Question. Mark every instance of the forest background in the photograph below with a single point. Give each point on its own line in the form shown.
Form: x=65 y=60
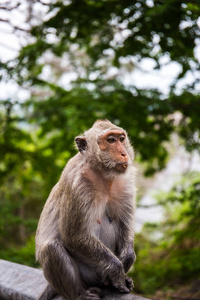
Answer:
x=81 y=60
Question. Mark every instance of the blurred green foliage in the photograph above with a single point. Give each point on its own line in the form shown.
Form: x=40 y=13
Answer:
x=169 y=252
x=36 y=135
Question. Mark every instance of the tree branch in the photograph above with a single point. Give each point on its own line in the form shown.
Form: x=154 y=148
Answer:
x=13 y=26
x=6 y=7
x=44 y=3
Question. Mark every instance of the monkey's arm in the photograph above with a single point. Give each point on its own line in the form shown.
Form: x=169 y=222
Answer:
x=126 y=253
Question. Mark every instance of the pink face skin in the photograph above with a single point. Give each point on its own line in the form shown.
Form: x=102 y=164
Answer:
x=114 y=143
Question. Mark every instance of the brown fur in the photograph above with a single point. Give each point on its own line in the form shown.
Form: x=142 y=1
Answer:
x=85 y=233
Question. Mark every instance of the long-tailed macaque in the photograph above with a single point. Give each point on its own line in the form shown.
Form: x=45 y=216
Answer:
x=84 y=239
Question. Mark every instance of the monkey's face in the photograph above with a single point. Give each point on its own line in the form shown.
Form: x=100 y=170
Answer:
x=113 y=152
x=106 y=147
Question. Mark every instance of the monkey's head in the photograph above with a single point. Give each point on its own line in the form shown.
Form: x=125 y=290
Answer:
x=106 y=146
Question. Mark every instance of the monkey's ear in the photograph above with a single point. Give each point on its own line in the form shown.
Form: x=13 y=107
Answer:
x=81 y=143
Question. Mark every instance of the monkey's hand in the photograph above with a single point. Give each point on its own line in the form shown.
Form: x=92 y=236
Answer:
x=121 y=287
x=129 y=283
x=115 y=278
x=127 y=257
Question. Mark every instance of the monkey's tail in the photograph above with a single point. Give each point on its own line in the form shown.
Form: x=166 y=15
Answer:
x=47 y=294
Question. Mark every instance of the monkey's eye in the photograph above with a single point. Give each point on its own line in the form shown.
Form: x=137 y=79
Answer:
x=121 y=138
x=110 y=140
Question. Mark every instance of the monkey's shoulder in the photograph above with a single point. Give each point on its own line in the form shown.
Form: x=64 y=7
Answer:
x=78 y=172
x=72 y=171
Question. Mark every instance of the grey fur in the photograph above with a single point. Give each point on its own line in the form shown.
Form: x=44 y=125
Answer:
x=85 y=233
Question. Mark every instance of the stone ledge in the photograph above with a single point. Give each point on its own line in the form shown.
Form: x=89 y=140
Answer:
x=19 y=282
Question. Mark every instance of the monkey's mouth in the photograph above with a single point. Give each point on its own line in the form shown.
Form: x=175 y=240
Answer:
x=122 y=166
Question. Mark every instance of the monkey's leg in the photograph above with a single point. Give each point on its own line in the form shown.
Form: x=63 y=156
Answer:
x=62 y=273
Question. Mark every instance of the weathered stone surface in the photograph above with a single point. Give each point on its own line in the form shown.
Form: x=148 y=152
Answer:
x=19 y=282
x=113 y=296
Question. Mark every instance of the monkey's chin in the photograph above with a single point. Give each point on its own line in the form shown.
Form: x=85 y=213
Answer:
x=122 y=167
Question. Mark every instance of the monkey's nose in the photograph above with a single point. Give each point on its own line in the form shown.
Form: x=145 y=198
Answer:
x=123 y=154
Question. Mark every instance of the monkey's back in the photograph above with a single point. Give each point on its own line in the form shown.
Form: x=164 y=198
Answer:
x=48 y=224
x=48 y=228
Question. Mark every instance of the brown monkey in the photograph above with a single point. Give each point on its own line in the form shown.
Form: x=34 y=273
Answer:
x=84 y=239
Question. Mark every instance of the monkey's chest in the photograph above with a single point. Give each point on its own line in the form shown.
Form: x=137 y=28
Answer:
x=106 y=231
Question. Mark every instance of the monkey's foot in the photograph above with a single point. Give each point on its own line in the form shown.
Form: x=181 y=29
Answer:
x=91 y=293
x=129 y=283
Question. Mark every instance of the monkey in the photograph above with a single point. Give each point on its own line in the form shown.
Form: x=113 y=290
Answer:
x=85 y=235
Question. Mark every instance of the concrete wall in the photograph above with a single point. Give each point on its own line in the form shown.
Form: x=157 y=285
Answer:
x=19 y=282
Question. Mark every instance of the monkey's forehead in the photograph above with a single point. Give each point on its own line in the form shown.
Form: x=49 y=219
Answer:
x=114 y=132
x=100 y=132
